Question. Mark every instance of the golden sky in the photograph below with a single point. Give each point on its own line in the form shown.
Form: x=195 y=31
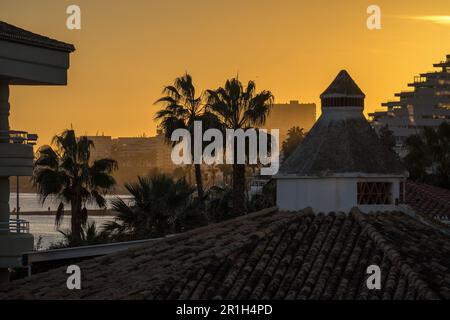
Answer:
x=128 y=50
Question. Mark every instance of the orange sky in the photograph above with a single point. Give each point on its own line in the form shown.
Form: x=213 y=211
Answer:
x=128 y=50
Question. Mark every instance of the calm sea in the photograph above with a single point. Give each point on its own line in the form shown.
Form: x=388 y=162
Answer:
x=43 y=226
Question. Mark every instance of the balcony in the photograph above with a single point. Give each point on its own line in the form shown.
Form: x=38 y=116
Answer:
x=16 y=153
x=15 y=226
x=18 y=137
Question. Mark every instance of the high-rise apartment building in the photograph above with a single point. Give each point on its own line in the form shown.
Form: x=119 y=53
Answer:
x=428 y=105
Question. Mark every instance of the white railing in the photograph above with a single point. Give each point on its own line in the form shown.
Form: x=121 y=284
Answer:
x=19 y=137
x=15 y=226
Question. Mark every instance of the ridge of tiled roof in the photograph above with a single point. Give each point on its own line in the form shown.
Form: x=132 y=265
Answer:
x=267 y=255
x=431 y=201
x=15 y=34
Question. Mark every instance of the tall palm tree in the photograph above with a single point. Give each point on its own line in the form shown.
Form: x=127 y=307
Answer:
x=158 y=204
x=237 y=107
x=181 y=108
x=68 y=174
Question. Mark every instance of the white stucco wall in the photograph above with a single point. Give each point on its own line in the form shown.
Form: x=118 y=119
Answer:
x=328 y=194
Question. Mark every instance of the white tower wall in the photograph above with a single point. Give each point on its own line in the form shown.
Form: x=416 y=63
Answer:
x=330 y=194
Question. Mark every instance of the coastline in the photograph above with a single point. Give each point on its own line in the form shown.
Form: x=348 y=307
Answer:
x=95 y=212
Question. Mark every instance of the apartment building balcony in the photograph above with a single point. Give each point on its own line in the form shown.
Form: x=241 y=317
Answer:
x=393 y=103
x=443 y=64
x=404 y=94
x=16 y=159
x=16 y=153
x=421 y=82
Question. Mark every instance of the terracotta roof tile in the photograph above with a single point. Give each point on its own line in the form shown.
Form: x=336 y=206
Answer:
x=429 y=200
x=268 y=255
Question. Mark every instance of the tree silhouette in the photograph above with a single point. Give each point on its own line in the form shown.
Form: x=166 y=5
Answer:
x=295 y=136
x=68 y=174
x=239 y=107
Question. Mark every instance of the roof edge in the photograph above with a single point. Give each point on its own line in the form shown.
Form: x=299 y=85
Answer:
x=26 y=37
x=341 y=175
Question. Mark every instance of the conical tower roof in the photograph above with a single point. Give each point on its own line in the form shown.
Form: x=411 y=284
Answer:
x=342 y=141
x=343 y=85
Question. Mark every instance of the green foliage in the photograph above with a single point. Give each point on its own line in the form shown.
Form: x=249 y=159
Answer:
x=90 y=235
x=239 y=107
x=220 y=204
x=428 y=158
x=387 y=137
x=160 y=206
x=266 y=199
x=295 y=136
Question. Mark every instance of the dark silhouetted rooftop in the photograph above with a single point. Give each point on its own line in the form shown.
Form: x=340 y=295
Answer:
x=12 y=33
x=268 y=255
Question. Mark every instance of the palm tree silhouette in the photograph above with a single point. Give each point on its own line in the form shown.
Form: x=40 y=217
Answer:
x=181 y=109
x=68 y=174
x=159 y=202
x=237 y=107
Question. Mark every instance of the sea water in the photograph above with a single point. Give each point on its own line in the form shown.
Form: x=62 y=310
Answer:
x=43 y=226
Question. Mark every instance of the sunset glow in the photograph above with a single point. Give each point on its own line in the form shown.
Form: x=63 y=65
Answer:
x=127 y=51
x=435 y=19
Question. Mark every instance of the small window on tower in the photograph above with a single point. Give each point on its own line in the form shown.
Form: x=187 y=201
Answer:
x=374 y=193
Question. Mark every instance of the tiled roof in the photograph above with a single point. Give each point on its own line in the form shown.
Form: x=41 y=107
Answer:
x=268 y=255
x=12 y=33
x=348 y=145
x=343 y=84
x=429 y=200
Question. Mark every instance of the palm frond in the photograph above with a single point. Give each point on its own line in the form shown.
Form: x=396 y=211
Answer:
x=46 y=156
x=59 y=215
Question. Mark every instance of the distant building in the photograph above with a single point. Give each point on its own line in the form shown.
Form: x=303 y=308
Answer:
x=163 y=153
x=341 y=163
x=284 y=116
x=102 y=147
x=428 y=105
x=134 y=155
